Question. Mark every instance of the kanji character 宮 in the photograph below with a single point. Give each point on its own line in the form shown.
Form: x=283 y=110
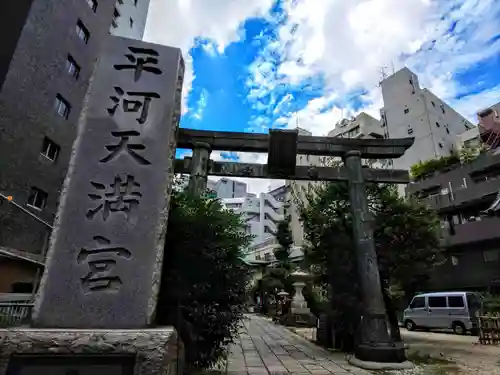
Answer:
x=101 y=261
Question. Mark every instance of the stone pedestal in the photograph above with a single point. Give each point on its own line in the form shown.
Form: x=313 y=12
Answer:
x=93 y=352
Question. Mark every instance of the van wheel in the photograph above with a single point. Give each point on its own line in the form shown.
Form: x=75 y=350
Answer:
x=458 y=328
x=409 y=325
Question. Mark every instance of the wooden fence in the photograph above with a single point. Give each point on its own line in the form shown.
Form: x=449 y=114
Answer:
x=489 y=329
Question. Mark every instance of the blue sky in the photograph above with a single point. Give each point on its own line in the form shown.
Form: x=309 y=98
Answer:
x=256 y=65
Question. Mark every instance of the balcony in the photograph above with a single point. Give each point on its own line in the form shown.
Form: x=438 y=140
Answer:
x=464 y=196
x=474 y=231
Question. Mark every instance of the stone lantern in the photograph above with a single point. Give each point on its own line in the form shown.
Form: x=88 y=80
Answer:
x=299 y=304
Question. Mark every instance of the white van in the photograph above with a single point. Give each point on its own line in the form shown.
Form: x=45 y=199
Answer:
x=455 y=310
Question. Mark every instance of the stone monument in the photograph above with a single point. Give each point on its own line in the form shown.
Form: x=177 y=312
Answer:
x=97 y=301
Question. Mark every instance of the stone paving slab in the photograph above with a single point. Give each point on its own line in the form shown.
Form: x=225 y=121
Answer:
x=265 y=348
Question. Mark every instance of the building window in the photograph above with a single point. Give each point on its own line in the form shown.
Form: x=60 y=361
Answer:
x=491 y=255
x=120 y=1
x=454 y=260
x=258 y=257
x=114 y=21
x=407 y=110
x=267 y=256
x=50 y=149
x=433 y=104
x=62 y=106
x=437 y=124
x=92 y=5
x=82 y=31
x=72 y=67
x=410 y=130
x=135 y=2
x=442 y=109
x=440 y=145
x=446 y=128
x=131 y=22
x=37 y=198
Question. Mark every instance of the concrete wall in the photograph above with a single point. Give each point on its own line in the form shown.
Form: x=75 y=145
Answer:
x=37 y=73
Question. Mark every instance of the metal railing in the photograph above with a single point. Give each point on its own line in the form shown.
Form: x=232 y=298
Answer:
x=14 y=314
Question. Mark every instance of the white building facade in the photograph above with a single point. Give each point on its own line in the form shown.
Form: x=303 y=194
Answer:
x=129 y=18
x=412 y=111
x=261 y=214
x=227 y=188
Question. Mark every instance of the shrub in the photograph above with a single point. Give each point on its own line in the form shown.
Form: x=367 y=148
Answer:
x=204 y=280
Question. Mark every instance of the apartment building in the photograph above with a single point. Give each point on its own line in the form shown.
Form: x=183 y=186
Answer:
x=361 y=126
x=227 y=188
x=49 y=52
x=261 y=214
x=412 y=111
x=129 y=18
x=471 y=238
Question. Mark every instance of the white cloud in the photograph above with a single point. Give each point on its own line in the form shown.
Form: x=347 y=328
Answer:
x=348 y=43
x=201 y=104
x=178 y=23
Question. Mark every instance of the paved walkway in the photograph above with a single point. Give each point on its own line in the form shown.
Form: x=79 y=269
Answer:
x=265 y=348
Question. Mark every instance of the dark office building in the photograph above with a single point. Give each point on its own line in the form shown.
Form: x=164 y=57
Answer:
x=49 y=48
x=471 y=238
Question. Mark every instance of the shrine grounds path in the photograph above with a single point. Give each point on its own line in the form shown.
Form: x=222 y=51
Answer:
x=265 y=348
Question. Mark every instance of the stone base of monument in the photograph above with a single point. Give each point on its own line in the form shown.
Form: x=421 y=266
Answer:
x=383 y=357
x=91 y=352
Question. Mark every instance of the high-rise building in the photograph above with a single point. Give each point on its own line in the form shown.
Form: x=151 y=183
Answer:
x=49 y=49
x=129 y=18
x=412 y=111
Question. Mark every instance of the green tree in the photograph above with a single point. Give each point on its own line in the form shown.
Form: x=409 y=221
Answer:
x=204 y=280
x=406 y=240
x=277 y=276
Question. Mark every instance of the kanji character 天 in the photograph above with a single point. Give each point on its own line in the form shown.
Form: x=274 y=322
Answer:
x=124 y=147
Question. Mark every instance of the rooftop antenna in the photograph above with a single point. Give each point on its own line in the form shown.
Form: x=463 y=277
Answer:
x=297 y=122
x=383 y=74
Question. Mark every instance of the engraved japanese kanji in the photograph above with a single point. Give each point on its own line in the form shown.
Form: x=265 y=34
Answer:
x=134 y=102
x=122 y=195
x=101 y=261
x=123 y=146
x=142 y=59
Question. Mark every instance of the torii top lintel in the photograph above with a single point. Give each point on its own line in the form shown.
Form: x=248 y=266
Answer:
x=306 y=145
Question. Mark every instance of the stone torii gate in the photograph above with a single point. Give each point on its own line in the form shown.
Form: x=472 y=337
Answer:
x=282 y=147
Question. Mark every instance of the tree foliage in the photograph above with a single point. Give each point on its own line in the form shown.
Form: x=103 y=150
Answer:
x=204 y=280
x=405 y=235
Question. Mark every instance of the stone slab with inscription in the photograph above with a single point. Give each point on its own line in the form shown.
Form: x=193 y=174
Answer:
x=90 y=352
x=106 y=251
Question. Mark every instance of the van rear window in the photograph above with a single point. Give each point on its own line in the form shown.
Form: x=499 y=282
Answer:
x=456 y=301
